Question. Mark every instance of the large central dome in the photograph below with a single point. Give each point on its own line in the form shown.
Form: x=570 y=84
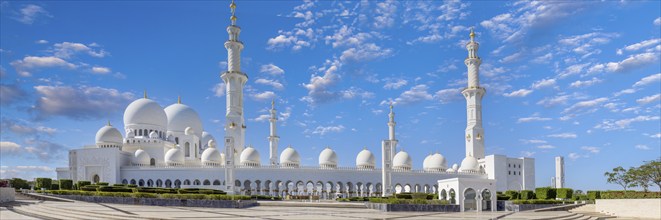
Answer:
x=145 y=112
x=180 y=116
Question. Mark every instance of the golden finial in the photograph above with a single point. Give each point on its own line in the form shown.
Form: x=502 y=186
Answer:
x=144 y=93
x=273 y=104
x=233 y=9
x=472 y=34
x=109 y=123
x=179 y=99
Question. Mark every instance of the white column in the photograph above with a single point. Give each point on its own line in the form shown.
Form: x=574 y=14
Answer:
x=229 y=166
x=273 y=138
x=473 y=94
x=386 y=164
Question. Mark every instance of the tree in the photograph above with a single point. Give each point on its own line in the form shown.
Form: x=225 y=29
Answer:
x=619 y=176
x=652 y=170
x=640 y=177
x=19 y=183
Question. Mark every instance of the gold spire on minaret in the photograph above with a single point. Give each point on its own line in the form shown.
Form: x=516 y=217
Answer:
x=144 y=93
x=179 y=99
x=273 y=104
x=472 y=34
x=390 y=107
x=109 y=122
x=233 y=8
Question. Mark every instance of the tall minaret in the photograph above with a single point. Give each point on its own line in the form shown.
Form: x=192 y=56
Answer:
x=273 y=138
x=234 y=81
x=391 y=132
x=473 y=94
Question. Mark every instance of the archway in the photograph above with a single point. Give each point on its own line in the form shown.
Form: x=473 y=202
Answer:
x=453 y=198
x=150 y=183
x=470 y=202
x=216 y=182
x=141 y=182
x=159 y=183
x=399 y=189
x=444 y=195
x=96 y=178
x=486 y=200
x=206 y=182
x=152 y=162
x=168 y=184
x=177 y=184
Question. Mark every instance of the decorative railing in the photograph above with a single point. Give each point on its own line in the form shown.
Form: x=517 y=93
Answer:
x=296 y=168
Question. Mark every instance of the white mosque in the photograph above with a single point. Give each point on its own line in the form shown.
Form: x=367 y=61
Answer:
x=167 y=147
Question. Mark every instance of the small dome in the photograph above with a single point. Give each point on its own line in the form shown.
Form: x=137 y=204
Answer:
x=469 y=164
x=290 y=158
x=402 y=161
x=141 y=158
x=425 y=162
x=250 y=157
x=153 y=135
x=365 y=160
x=181 y=116
x=455 y=167
x=205 y=138
x=108 y=135
x=328 y=158
x=145 y=112
x=129 y=133
x=174 y=157
x=211 y=156
x=435 y=162
x=211 y=143
x=222 y=157
x=189 y=131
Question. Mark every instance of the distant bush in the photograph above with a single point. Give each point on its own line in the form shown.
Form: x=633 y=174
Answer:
x=404 y=196
x=419 y=195
x=527 y=194
x=66 y=184
x=144 y=195
x=629 y=195
x=512 y=194
x=119 y=185
x=114 y=189
x=564 y=193
x=545 y=193
x=390 y=200
x=43 y=183
x=183 y=196
x=89 y=188
x=132 y=185
x=226 y=197
x=102 y=183
x=200 y=191
x=262 y=197
x=502 y=197
x=54 y=186
x=537 y=201
x=592 y=195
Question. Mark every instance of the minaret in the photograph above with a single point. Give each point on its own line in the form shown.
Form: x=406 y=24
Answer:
x=559 y=180
x=391 y=132
x=273 y=138
x=388 y=150
x=473 y=94
x=234 y=81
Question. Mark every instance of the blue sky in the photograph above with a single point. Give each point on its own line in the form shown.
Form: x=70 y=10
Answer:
x=575 y=79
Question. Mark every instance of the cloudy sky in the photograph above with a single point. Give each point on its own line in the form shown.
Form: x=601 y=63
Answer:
x=575 y=79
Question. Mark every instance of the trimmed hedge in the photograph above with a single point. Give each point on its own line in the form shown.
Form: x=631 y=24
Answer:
x=43 y=183
x=629 y=195
x=89 y=188
x=404 y=196
x=261 y=197
x=564 y=193
x=512 y=194
x=537 y=201
x=152 y=195
x=527 y=194
x=82 y=183
x=387 y=200
x=54 y=186
x=200 y=191
x=502 y=197
x=114 y=189
x=66 y=184
x=545 y=193
x=102 y=184
x=592 y=195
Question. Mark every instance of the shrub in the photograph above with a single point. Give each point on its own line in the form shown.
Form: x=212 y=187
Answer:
x=82 y=183
x=387 y=200
x=419 y=196
x=89 y=188
x=404 y=196
x=342 y=200
x=226 y=197
x=54 y=186
x=102 y=183
x=66 y=184
x=19 y=183
x=131 y=185
x=592 y=195
x=43 y=183
x=512 y=194
x=114 y=189
x=564 y=193
x=144 y=195
x=115 y=194
x=629 y=195
x=502 y=197
x=183 y=196
x=527 y=194
x=545 y=193
x=119 y=185
x=537 y=201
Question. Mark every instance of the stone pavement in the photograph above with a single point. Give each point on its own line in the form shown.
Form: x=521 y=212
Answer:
x=31 y=209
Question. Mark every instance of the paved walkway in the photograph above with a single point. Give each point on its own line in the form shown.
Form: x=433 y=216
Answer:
x=33 y=209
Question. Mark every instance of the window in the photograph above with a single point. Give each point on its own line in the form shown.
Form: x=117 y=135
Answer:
x=519 y=165
x=519 y=173
x=187 y=150
x=176 y=140
x=509 y=172
x=152 y=162
x=509 y=165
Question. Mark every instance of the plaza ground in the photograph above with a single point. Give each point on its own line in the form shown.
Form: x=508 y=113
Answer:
x=26 y=208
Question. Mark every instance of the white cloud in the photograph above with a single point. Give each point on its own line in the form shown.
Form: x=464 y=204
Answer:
x=10 y=94
x=79 y=103
x=632 y=62
x=610 y=125
x=643 y=44
x=533 y=141
x=30 y=13
x=365 y=52
x=261 y=118
x=26 y=172
x=100 y=70
x=267 y=95
x=574 y=156
x=649 y=99
x=68 y=49
x=648 y=80
x=9 y=148
x=563 y=135
x=271 y=69
x=219 y=89
x=414 y=95
x=518 y=93
x=657 y=21
x=585 y=105
x=22 y=129
x=532 y=119
x=29 y=63
x=657 y=135
x=586 y=83
x=329 y=129
x=353 y=92
x=543 y=83
x=527 y=154
x=642 y=147
x=283 y=40
x=546 y=58
x=585 y=43
x=546 y=146
x=385 y=14
x=448 y=95
x=624 y=91
x=319 y=86
x=41 y=42
x=573 y=70
x=395 y=84
x=553 y=101
x=274 y=83
x=593 y=150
